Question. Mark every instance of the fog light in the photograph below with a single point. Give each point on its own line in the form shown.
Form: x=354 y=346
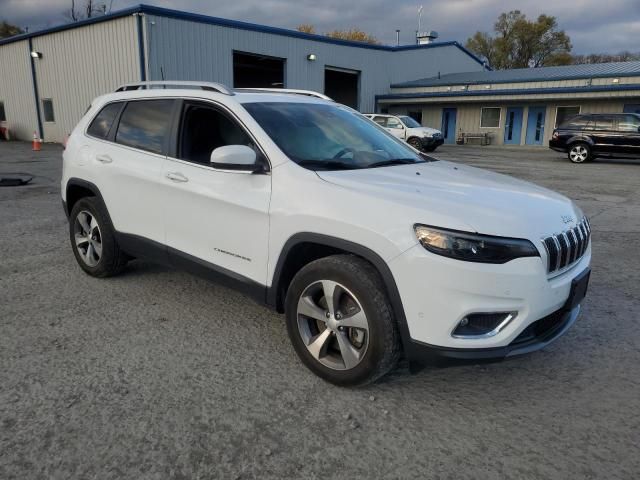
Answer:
x=482 y=325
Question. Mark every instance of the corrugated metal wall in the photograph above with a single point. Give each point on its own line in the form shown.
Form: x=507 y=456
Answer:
x=468 y=115
x=188 y=50
x=16 y=89
x=80 y=64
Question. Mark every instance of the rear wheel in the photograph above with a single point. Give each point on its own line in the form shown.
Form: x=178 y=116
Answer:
x=340 y=322
x=579 y=153
x=93 y=239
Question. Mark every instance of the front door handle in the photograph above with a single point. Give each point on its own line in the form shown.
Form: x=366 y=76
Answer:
x=104 y=158
x=177 y=177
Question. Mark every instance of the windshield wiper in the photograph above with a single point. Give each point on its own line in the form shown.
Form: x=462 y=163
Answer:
x=395 y=161
x=326 y=165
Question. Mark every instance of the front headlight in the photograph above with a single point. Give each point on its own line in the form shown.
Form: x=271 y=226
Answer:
x=473 y=247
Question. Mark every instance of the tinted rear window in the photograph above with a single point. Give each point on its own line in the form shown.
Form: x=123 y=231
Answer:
x=104 y=120
x=144 y=124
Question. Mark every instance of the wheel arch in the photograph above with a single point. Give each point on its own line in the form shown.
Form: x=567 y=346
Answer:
x=76 y=189
x=579 y=139
x=302 y=248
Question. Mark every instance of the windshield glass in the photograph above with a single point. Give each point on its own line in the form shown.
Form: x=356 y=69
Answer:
x=329 y=137
x=409 y=122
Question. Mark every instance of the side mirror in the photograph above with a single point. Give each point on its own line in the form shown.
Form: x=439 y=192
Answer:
x=235 y=157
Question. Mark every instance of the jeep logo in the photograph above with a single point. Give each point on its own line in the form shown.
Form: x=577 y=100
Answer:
x=567 y=218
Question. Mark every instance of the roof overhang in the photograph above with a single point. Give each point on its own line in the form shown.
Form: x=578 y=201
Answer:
x=595 y=92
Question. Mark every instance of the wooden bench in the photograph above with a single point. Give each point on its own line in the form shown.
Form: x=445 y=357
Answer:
x=485 y=138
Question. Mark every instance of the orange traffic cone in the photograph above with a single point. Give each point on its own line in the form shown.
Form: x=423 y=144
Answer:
x=37 y=142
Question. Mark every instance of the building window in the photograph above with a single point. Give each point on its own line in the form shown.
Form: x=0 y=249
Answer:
x=417 y=116
x=490 y=117
x=47 y=110
x=565 y=113
x=3 y=115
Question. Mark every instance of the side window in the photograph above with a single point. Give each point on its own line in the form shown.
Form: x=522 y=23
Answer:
x=603 y=122
x=629 y=123
x=393 y=123
x=204 y=129
x=144 y=124
x=382 y=121
x=101 y=124
x=580 y=122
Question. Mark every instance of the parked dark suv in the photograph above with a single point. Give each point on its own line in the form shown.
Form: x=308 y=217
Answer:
x=584 y=137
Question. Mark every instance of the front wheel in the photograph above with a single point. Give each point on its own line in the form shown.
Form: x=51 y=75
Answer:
x=579 y=152
x=340 y=321
x=415 y=143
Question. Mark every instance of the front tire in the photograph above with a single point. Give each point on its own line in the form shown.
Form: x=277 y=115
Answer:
x=93 y=239
x=415 y=143
x=579 y=152
x=340 y=321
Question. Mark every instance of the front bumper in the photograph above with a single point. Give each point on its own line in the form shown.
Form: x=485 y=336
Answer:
x=431 y=141
x=437 y=292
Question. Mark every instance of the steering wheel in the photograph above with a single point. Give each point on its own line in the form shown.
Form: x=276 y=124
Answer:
x=343 y=152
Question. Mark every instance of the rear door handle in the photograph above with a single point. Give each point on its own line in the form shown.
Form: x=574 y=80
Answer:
x=177 y=177
x=104 y=158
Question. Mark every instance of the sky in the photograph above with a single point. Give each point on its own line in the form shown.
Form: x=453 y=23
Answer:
x=594 y=26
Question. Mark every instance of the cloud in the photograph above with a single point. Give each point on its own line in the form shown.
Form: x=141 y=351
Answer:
x=609 y=26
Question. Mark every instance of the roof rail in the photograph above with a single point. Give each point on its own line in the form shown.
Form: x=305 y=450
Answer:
x=210 y=86
x=292 y=91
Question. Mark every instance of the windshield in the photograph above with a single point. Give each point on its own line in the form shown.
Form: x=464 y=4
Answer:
x=409 y=122
x=330 y=137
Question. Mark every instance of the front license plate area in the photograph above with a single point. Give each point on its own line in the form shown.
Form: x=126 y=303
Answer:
x=579 y=286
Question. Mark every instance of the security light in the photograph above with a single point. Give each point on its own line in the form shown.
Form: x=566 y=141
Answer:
x=35 y=54
x=311 y=57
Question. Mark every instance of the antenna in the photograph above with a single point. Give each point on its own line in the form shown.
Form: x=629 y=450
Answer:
x=398 y=38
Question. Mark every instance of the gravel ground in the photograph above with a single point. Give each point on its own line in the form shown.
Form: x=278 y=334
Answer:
x=156 y=374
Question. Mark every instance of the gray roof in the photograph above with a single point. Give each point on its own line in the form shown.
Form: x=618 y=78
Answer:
x=568 y=72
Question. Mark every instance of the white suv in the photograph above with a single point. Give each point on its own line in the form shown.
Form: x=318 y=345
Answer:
x=406 y=128
x=371 y=249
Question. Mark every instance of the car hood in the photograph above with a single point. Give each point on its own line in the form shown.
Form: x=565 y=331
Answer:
x=489 y=203
x=424 y=131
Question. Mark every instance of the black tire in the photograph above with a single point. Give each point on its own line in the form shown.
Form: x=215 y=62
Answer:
x=416 y=143
x=111 y=260
x=383 y=341
x=579 y=152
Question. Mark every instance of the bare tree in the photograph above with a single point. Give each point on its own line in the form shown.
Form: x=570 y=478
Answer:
x=91 y=8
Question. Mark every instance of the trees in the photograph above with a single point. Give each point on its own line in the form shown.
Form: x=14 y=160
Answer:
x=91 y=8
x=353 y=34
x=605 y=57
x=520 y=43
x=9 y=30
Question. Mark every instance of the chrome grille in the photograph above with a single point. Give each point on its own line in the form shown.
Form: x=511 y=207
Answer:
x=566 y=248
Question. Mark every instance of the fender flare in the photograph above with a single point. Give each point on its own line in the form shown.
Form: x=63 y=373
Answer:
x=78 y=182
x=580 y=139
x=356 y=249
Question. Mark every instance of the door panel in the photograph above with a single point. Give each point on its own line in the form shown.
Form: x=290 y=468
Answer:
x=535 y=125
x=395 y=127
x=513 y=126
x=218 y=216
x=449 y=125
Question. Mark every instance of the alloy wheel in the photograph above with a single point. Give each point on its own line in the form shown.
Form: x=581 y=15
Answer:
x=578 y=153
x=88 y=239
x=333 y=325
